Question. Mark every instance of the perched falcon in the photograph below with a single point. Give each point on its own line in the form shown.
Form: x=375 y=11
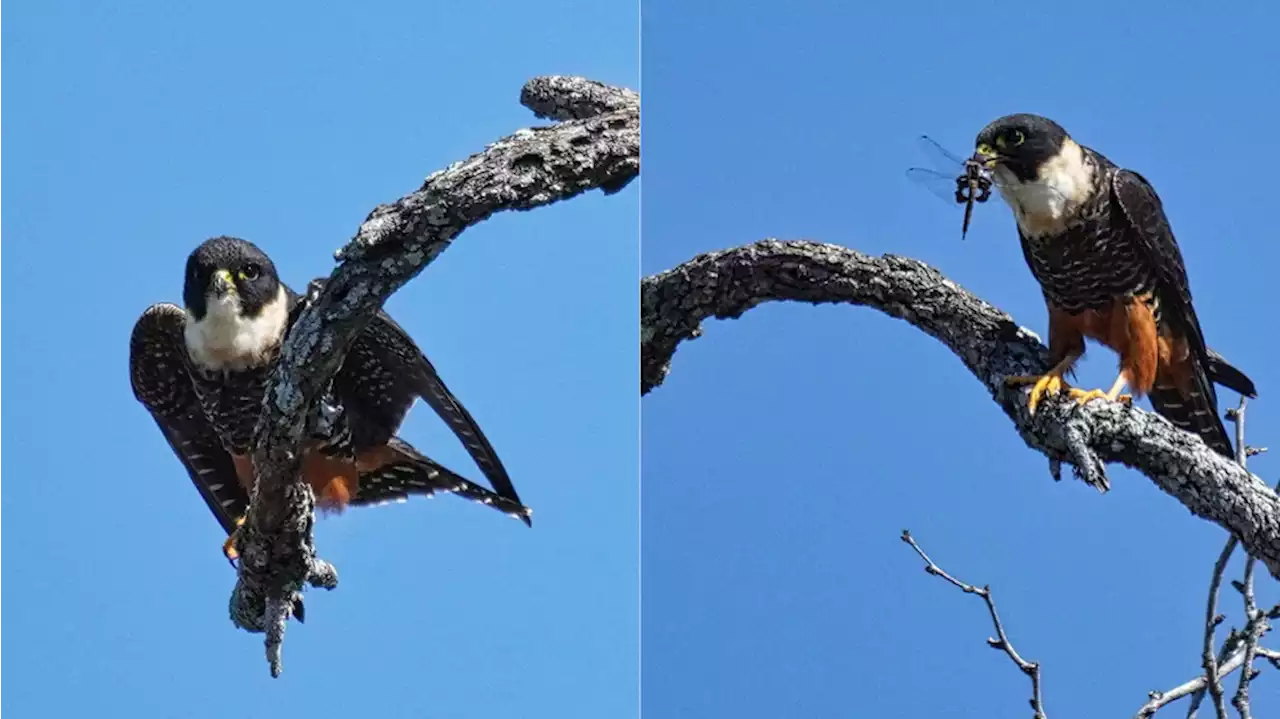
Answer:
x=202 y=371
x=1097 y=240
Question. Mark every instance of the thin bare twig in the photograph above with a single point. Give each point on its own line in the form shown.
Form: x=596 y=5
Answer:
x=1230 y=658
x=1240 y=648
x=1241 y=700
x=1209 y=661
x=1159 y=700
x=1271 y=656
x=1001 y=642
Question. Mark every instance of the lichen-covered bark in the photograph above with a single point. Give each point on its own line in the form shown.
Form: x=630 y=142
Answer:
x=597 y=146
x=726 y=284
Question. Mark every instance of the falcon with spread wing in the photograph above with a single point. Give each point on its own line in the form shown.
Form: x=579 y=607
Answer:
x=201 y=371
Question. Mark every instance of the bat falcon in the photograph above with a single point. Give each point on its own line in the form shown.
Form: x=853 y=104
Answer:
x=1097 y=240
x=201 y=371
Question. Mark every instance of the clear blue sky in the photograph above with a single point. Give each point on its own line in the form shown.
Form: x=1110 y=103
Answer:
x=788 y=449
x=136 y=130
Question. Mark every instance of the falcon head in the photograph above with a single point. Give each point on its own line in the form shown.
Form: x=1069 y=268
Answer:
x=237 y=308
x=1041 y=172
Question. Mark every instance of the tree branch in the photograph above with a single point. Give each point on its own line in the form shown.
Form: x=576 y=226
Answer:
x=1208 y=660
x=1159 y=700
x=597 y=146
x=1241 y=700
x=1251 y=614
x=727 y=283
x=1001 y=642
x=1230 y=658
x=1213 y=681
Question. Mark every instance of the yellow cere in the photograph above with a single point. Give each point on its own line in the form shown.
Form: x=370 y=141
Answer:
x=985 y=151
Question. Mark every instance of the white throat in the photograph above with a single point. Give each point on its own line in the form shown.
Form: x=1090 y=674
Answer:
x=226 y=340
x=1044 y=205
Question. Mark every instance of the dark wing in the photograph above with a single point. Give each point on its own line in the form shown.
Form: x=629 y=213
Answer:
x=1150 y=231
x=1026 y=256
x=384 y=373
x=415 y=473
x=162 y=383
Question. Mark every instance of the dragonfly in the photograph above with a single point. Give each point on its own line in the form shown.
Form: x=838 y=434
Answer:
x=963 y=182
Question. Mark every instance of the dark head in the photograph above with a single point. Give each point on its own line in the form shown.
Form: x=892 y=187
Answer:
x=228 y=266
x=237 y=309
x=1022 y=143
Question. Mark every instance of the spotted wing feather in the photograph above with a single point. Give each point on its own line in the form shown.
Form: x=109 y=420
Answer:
x=382 y=376
x=417 y=474
x=162 y=383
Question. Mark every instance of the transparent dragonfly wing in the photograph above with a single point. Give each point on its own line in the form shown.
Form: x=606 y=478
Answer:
x=953 y=180
x=939 y=185
x=940 y=179
x=941 y=159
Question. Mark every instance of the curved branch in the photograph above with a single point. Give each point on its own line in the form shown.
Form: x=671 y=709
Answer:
x=598 y=149
x=992 y=346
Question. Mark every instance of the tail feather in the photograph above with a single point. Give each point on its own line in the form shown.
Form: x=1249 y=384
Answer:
x=418 y=474
x=1194 y=409
x=1221 y=371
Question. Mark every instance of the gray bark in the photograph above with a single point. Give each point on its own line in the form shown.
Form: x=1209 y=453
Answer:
x=596 y=146
x=991 y=345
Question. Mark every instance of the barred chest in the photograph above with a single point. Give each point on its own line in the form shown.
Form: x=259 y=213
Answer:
x=232 y=402
x=1091 y=261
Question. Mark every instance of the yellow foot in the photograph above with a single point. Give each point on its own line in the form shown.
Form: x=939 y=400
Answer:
x=229 y=547
x=1082 y=396
x=1049 y=384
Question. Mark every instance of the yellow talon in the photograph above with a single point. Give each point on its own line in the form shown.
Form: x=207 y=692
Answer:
x=1049 y=384
x=229 y=547
x=1082 y=396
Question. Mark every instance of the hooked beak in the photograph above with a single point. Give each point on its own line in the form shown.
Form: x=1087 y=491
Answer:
x=222 y=284
x=985 y=156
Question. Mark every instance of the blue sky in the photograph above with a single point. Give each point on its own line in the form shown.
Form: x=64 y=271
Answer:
x=135 y=131
x=788 y=449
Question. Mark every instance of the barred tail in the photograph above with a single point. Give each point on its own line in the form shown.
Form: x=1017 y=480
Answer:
x=415 y=473
x=1194 y=410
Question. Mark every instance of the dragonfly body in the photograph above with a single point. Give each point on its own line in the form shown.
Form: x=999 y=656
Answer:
x=964 y=180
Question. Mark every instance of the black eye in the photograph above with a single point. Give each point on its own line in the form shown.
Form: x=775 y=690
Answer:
x=250 y=272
